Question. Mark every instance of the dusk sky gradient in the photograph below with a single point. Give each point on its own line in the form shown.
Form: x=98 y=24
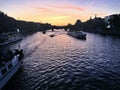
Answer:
x=59 y=12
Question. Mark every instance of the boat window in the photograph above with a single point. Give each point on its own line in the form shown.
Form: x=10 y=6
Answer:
x=3 y=71
x=10 y=66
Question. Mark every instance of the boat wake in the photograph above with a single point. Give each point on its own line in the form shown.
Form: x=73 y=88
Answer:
x=31 y=48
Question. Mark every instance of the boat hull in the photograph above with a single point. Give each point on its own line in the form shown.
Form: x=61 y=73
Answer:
x=16 y=65
x=12 y=41
x=8 y=76
x=77 y=35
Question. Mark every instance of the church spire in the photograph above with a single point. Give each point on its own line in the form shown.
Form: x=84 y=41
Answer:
x=95 y=15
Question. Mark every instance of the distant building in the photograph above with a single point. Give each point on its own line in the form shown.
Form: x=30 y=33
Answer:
x=111 y=20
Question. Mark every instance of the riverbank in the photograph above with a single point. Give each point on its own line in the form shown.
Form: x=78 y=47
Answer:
x=104 y=32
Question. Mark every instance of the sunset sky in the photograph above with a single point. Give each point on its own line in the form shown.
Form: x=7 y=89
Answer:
x=58 y=12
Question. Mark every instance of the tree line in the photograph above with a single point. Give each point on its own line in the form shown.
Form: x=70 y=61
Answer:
x=9 y=24
x=107 y=25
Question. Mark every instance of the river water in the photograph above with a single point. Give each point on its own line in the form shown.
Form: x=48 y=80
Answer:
x=67 y=63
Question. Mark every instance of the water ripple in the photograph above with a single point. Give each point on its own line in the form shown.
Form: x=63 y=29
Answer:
x=66 y=63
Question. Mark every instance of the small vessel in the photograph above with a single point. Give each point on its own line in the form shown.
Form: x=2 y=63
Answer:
x=9 y=65
x=44 y=31
x=52 y=35
x=77 y=34
x=9 y=37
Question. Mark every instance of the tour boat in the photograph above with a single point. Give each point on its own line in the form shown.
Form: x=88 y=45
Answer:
x=10 y=67
x=10 y=37
x=77 y=34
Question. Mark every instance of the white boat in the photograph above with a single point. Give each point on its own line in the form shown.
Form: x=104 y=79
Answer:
x=10 y=41
x=77 y=34
x=9 y=68
x=10 y=37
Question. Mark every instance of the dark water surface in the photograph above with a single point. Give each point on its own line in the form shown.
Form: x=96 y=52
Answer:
x=66 y=63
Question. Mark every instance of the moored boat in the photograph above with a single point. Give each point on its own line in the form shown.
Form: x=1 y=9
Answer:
x=10 y=37
x=9 y=66
x=77 y=34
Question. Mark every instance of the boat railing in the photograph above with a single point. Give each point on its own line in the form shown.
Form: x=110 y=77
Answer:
x=8 y=66
x=5 y=69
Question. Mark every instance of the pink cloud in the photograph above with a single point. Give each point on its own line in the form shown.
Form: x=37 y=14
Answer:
x=73 y=7
x=42 y=8
x=54 y=8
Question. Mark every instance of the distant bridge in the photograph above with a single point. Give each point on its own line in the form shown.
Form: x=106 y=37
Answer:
x=60 y=27
x=53 y=28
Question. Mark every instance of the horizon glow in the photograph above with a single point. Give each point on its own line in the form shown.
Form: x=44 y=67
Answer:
x=60 y=12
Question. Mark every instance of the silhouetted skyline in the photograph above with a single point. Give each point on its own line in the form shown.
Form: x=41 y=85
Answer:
x=59 y=12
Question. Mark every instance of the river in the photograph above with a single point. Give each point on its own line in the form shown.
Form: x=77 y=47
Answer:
x=66 y=63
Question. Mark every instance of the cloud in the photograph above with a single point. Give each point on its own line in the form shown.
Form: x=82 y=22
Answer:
x=56 y=8
x=70 y=7
x=60 y=17
x=42 y=8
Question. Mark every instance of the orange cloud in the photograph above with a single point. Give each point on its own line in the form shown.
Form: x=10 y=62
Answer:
x=59 y=17
x=58 y=14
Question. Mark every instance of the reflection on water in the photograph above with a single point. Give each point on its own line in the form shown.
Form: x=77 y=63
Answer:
x=66 y=63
